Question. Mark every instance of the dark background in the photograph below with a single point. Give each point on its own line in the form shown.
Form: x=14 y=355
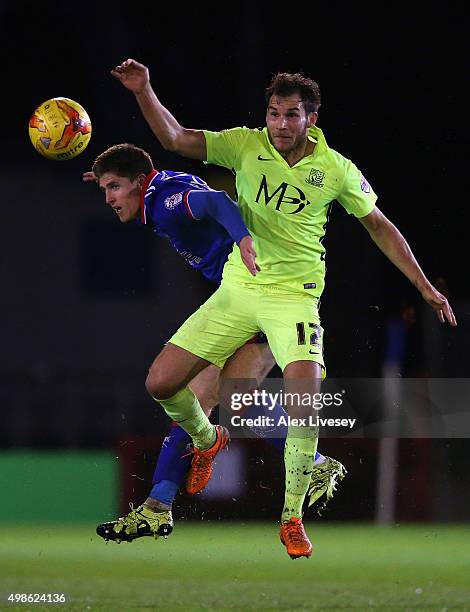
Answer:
x=87 y=303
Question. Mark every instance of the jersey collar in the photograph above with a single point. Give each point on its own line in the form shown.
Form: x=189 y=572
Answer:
x=148 y=179
x=314 y=133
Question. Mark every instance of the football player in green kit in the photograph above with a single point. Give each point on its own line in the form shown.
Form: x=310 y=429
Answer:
x=286 y=179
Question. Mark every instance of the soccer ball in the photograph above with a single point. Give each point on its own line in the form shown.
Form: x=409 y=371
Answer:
x=60 y=129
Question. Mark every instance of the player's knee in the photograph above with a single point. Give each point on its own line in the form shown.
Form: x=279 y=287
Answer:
x=159 y=385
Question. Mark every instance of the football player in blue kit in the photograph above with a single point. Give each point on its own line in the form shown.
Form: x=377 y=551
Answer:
x=202 y=225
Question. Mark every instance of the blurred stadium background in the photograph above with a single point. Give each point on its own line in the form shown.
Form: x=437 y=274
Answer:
x=86 y=304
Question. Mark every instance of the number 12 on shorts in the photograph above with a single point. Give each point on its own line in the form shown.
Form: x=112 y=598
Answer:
x=312 y=330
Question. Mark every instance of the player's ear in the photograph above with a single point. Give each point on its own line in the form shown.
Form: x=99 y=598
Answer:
x=312 y=118
x=141 y=180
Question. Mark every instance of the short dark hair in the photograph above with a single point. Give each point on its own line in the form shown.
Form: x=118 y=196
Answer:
x=124 y=160
x=285 y=84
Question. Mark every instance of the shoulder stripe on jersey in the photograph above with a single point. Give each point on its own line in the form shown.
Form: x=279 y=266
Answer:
x=191 y=215
x=148 y=179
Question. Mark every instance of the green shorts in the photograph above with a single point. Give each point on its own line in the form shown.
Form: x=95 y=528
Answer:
x=235 y=313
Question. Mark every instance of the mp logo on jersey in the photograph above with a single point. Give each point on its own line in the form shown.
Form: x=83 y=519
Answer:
x=173 y=200
x=284 y=195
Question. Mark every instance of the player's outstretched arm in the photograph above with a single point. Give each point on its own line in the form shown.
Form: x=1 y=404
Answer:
x=172 y=136
x=391 y=242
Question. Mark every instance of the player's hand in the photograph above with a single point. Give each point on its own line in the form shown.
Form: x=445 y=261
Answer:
x=88 y=177
x=439 y=303
x=132 y=75
x=248 y=253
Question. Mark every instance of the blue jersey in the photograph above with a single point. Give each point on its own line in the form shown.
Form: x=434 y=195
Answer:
x=166 y=207
x=201 y=228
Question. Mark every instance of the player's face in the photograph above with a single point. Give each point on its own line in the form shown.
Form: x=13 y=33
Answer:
x=287 y=123
x=122 y=194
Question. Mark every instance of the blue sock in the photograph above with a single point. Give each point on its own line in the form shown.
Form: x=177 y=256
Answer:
x=172 y=467
x=274 y=412
x=164 y=491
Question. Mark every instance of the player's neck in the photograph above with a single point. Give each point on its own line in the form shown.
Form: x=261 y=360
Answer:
x=303 y=150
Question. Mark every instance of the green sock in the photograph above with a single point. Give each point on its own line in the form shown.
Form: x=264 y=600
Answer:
x=299 y=457
x=184 y=408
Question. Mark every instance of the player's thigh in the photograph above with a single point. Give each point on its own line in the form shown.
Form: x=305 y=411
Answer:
x=291 y=323
x=253 y=360
x=245 y=371
x=172 y=370
x=205 y=387
x=220 y=326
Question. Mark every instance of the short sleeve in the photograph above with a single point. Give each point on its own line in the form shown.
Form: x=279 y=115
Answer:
x=224 y=148
x=356 y=196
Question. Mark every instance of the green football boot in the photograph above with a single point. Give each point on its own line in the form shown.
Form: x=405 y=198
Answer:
x=325 y=477
x=140 y=522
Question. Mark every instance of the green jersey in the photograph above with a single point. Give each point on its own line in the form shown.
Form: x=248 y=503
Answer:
x=286 y=208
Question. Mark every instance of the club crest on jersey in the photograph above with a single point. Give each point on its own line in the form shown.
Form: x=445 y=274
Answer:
x=173 y=200
x=315 y=177
x=365 y=187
